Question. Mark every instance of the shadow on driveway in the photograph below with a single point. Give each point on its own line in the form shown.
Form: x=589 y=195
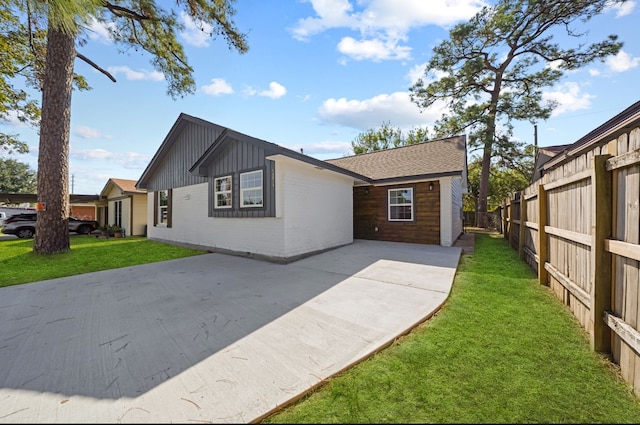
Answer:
x=208 y=338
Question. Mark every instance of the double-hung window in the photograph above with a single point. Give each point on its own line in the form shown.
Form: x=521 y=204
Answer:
x=401 y=204
x=163 y=207
x=251 y=189
x=223 y=193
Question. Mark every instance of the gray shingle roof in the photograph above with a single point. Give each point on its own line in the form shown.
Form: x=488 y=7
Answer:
x=437 y=157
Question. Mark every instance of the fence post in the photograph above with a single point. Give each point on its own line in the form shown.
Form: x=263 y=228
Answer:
x=543 y=245
x=512 y=208
x=600 y=259
x=522 y=228
x=505 y=220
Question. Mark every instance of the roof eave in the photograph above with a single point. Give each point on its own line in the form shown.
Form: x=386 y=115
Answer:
x=417 y=177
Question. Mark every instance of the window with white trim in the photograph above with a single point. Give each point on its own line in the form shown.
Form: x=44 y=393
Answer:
x=163 y=207
x=118 y=213
x=401 y=204
x=251 y=189
x=223 y=192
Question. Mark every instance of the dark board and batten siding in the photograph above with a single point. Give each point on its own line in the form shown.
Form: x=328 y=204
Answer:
x=240 y=157
x=185 y=151
x=370 y=210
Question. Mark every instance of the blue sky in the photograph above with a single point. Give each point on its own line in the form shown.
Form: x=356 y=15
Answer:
x=317 y=74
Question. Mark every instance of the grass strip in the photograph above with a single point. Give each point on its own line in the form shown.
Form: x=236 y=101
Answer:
x=502 y=349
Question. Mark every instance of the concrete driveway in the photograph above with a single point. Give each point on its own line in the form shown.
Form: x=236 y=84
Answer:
x=211 y=338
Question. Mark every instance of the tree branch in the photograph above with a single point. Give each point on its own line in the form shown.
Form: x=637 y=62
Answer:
x=124 y=12
x=93 y=64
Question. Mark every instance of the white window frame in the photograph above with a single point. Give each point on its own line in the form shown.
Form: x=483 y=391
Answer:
x=227 y=191
x=244 y=190
x=163 y=208
x=390 y=205
x=118 y=213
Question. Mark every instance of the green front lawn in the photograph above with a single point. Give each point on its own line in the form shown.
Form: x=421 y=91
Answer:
x=18 y=263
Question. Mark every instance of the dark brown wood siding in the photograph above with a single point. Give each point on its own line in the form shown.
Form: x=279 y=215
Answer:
x=370 y=211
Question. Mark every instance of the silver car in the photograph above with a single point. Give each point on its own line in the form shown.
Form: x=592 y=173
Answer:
x=23 y=225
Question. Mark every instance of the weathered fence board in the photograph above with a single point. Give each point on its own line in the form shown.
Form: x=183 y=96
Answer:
x=579 y=228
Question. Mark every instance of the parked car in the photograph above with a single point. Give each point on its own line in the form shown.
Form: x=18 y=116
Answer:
x=3 y=217
x=23 y=225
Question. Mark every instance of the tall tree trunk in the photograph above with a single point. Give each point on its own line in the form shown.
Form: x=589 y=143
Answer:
x=483 y=192
x=52 y=228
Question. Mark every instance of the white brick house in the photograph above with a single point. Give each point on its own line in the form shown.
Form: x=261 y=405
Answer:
x=211 y=187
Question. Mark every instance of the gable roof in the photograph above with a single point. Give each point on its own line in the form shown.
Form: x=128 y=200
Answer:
x=432 y=159
x=125 y=186
x=271 y=149
x=227 y=136
x=172 y=136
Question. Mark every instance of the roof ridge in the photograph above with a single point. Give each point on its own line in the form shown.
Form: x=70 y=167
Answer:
x=399 y=147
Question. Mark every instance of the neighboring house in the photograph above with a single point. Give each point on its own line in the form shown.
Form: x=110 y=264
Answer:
x=213 y=187
x=124 y=205
x=83 y=210
x=543 y=155
x=80 y=206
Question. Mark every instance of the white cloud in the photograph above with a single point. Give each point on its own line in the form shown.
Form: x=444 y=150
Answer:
x=330 y=14
x=569 y=97
x=217 y=87
x=417 y=72
x=556 y=64
x=382 y=24
x=133 y=160
x=594 y=72
x=328 y=148
x=99 y=31
x=373 y=49
x=395 y=108
x=196 y=34
x=89 y=133
x=130 y=74
x=129 y=160
x=622 y=62
x=385 y=15
x=90 y=154
x=623 y=9
x=12 y=118
x=275 y=91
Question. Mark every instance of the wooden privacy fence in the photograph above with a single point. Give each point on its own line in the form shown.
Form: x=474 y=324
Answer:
x=579 y=228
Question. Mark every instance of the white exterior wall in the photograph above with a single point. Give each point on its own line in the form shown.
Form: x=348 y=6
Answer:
x=317 y=207
x=191 y=224
x=445 y=212
x=457 y=226
x=450 y=210
x=313 y=212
